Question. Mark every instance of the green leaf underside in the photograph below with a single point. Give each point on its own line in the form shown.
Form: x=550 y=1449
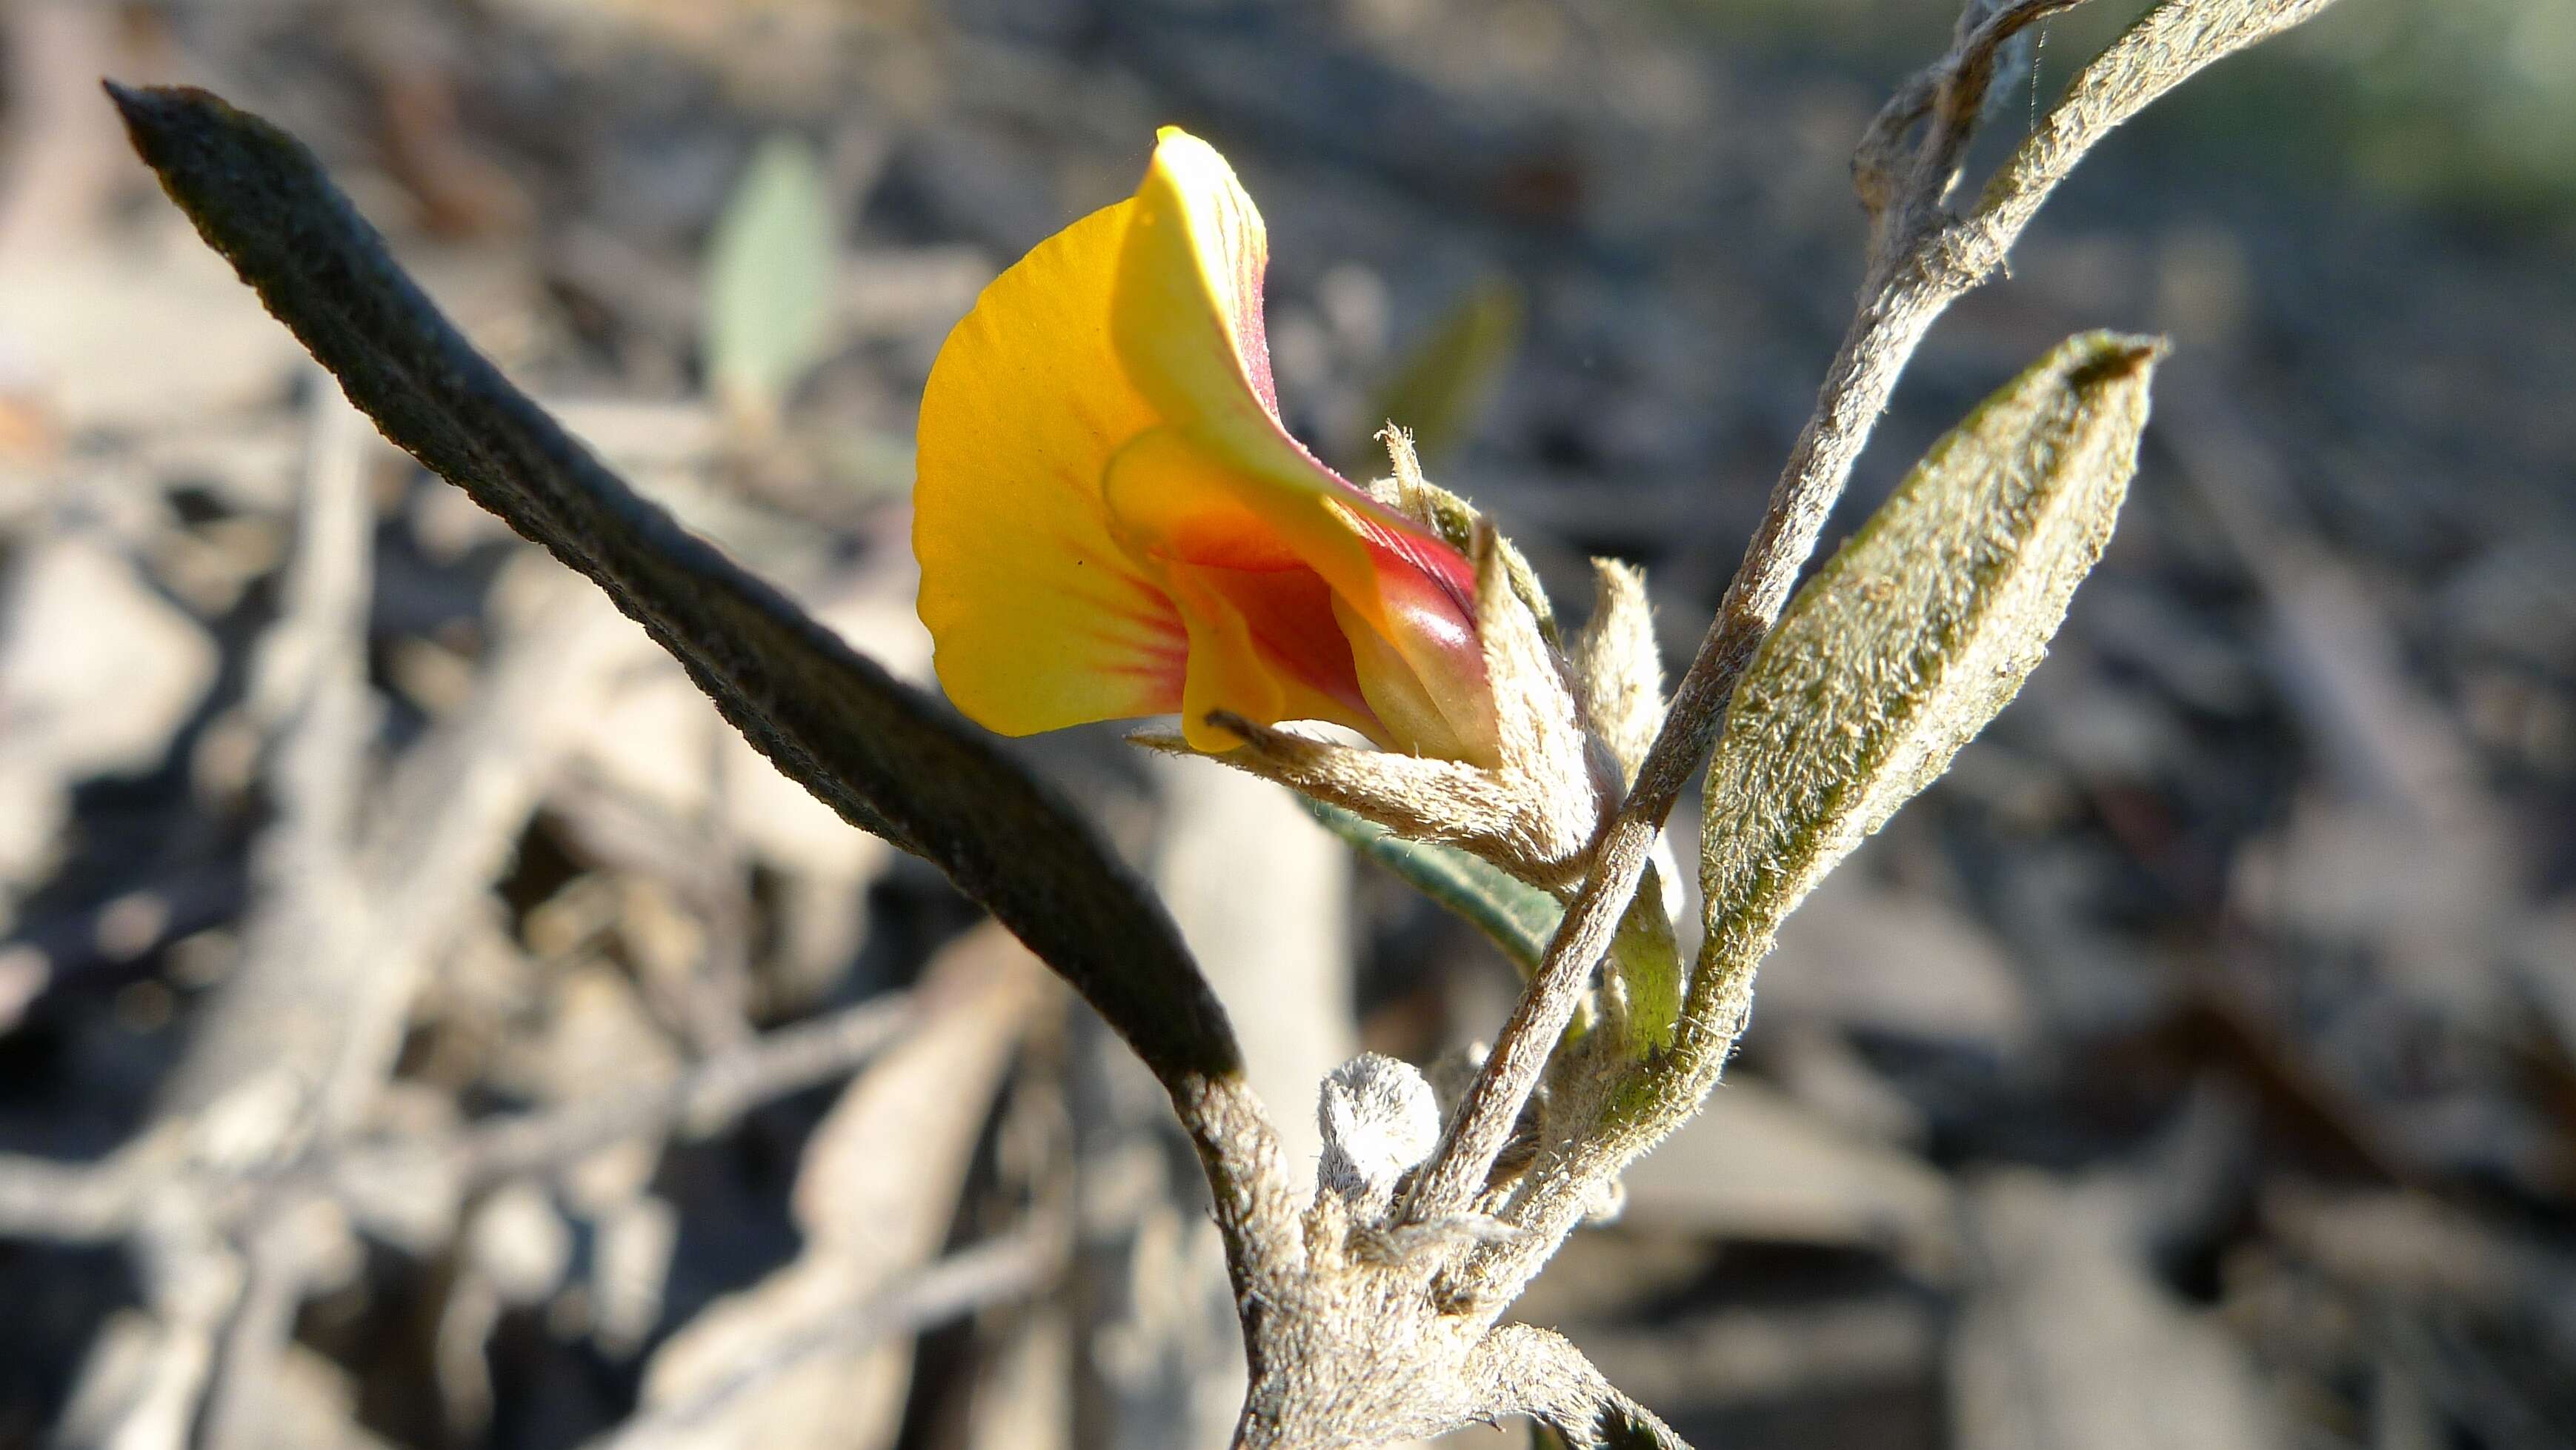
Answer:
x=1912 y=637
x=769 y=277
x=889 y=758
x=1518 y=917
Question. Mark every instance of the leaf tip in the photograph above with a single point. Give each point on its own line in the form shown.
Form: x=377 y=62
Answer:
x=2100 y=358
x=150 y=109
x=134 y=106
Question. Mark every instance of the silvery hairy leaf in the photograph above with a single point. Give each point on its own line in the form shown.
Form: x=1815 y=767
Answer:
x=1910 y=639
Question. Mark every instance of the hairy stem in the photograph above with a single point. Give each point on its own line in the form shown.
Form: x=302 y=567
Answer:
x=1931 y=260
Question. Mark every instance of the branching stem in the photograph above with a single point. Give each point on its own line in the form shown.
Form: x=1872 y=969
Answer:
x=1923 y=259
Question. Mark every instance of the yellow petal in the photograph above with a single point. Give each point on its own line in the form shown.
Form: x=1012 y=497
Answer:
x=1040 y=618
x=1226 y=670
x=1190 y=320
x=1112 y=521
x=1187 y=322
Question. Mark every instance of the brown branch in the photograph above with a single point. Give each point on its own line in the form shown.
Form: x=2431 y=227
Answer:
x=2168 y=45
x=103 y=1201
x=1953 y=94
x=250 y=1339
x=277 y=1020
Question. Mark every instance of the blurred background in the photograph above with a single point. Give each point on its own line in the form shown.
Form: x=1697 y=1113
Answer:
x=422 y=1023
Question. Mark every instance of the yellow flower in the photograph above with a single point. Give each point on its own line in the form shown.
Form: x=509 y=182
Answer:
x=1113 y=522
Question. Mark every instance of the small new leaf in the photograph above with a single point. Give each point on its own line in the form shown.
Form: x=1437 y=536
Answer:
x=1910 y=639
x=769 y=280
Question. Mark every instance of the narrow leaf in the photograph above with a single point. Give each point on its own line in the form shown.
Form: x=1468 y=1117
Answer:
x=769 y=279
x=889 y=758
x=1517 y=916
x=1910 y=639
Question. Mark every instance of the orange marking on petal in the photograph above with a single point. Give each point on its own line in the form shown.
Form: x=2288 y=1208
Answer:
x=1289 y=614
